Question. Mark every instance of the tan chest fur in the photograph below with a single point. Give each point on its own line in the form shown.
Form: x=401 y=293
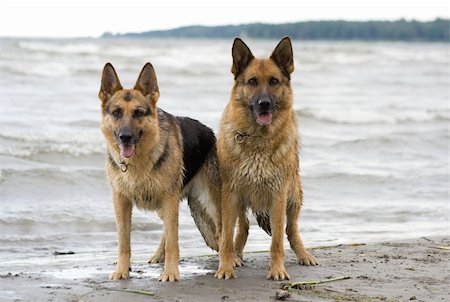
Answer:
x=145 y=186
x=259 y=167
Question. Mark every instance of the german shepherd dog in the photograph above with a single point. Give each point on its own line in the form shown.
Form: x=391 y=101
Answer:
x=257 y=150
x=154 y=160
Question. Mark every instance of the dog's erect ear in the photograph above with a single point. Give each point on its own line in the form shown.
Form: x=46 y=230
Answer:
x=147 y=83
x=242 y=56
x=110 y=83
x=283 y=56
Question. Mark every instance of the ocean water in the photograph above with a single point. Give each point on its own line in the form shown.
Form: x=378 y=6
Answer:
x=373 y=118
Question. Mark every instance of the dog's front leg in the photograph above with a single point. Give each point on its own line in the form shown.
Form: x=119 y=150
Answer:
x=293 y=234
x=277 y=218
x=241 y=237
x=122 y=207
x=169 y=211
x=226 y=250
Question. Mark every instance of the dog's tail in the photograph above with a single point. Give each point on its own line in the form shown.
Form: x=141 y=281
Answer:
x=294 y=204
x=204 y=200
x=263 y=220
x=205 y=223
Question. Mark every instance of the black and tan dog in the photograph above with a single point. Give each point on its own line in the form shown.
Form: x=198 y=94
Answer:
x=258 y=157
x=154 y=160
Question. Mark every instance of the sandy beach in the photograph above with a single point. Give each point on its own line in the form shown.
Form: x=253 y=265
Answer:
x=406 y=270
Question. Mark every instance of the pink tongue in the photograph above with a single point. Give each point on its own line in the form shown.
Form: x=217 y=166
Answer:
x=264 y=118
x=127 y=150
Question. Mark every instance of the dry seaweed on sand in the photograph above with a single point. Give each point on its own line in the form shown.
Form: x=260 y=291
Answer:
x=310 y=248
x=315 y=247
x=138 y=291
x=320 y=247
x=441 y=247
x=308 y=284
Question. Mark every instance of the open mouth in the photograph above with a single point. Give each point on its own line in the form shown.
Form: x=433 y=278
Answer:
x=127 y=150
x=264 y=118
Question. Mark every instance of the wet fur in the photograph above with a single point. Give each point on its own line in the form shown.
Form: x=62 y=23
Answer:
x=260 y=170
x=175 y=157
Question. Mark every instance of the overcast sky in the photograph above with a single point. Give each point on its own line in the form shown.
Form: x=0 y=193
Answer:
x=68 y=18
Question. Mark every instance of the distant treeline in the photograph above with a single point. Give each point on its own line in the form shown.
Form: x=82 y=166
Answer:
x=400 y=30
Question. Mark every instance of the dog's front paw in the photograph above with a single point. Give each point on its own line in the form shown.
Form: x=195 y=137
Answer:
x=277 y=273
x=238 y=260
x=306 y=259
x=119 y=275
x=156 y=258
x=225 y=273
x=170 y=275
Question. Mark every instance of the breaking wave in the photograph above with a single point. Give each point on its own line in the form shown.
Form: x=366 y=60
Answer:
x=359 y=117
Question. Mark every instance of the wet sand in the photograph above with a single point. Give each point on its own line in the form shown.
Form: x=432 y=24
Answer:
x=407 y=270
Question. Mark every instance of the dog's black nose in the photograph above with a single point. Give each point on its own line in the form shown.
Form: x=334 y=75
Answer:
x=264 y=104
x=125 y=137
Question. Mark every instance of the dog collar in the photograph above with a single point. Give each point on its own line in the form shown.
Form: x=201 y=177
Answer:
x=123 y=166
x=240 y=137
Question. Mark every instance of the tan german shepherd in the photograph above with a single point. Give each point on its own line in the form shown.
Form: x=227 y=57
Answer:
x=258 y=156
x=154 y=160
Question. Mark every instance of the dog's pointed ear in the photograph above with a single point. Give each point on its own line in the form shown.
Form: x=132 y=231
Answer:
x=147 y=83
x=242 y=56
x=110 y=83
x=283 y=56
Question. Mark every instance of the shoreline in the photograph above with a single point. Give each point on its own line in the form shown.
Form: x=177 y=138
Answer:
x=400 y=270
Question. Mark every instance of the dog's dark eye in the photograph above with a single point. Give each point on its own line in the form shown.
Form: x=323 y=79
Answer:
x=138 y=113
x=117 y=113
x=253 y=82
x=274 y=81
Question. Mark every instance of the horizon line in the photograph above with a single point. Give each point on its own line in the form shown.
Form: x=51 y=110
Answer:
x=114 y=34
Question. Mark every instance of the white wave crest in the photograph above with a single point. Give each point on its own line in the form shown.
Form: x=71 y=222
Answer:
x=61 y=47
x=358 y=116
x=28 y=144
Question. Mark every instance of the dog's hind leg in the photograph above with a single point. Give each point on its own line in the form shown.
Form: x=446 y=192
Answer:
x=158 y=257
x=293 y=234
x=241 y=238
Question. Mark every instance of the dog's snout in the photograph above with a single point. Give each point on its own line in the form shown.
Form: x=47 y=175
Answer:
x=264 y=103
x=125 y=136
